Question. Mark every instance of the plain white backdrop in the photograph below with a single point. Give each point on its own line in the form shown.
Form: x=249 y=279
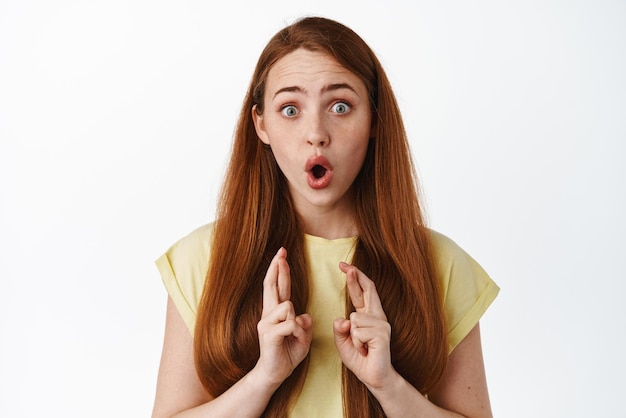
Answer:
x=116 y=119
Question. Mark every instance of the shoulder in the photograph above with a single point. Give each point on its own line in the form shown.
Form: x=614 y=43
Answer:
x=183 y=269
x=445 y=248
x=198 y=240
x=191 y=253
x=453 y=262
x=467 y=289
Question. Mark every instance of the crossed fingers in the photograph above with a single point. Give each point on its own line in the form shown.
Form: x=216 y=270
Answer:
x=284 y=338
x=277 y=284
x=362 y=292
x=368 y=325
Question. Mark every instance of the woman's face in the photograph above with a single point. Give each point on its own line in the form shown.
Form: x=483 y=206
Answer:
x=317 y=120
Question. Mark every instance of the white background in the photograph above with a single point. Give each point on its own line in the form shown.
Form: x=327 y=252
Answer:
x=115 y=123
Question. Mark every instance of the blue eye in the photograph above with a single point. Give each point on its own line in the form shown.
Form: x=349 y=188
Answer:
x=289 y=111
x=341 y=107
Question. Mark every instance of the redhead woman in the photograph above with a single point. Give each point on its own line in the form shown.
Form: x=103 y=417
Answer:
x=319 y=291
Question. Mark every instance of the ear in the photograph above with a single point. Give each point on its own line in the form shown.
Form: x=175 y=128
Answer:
x=259 y=126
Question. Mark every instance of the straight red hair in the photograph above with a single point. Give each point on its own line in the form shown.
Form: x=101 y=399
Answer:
x=256 y=217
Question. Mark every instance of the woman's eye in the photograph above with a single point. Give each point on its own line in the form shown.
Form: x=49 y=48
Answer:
x=341 y=107
x=289 y=111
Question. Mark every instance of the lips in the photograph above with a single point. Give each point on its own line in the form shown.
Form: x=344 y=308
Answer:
x=319 y=172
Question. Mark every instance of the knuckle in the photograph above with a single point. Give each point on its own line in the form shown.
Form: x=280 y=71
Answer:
x=284 y=265
x=267 y=281
x=260 y=326
x=354 y=334
x=369 y=284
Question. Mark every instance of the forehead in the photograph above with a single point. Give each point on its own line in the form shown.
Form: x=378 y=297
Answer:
x=309 y=70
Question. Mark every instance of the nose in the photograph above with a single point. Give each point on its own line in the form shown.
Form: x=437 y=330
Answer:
x=316 y=132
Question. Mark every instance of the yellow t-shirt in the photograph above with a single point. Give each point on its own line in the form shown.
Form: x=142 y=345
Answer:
x=468 y=291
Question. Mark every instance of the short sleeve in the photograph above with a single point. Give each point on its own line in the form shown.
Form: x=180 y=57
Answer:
x=183 y=269
x=467 y=289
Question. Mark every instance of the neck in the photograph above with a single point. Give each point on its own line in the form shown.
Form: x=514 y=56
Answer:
x=329 y=224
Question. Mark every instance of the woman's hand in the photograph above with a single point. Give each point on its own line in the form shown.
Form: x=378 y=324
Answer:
x=363 y=341
x=284 y=338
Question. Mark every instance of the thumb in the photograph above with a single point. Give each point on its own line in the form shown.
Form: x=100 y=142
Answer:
x=341 y=330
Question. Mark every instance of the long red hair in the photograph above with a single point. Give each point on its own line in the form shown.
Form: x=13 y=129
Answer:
x=256 y=217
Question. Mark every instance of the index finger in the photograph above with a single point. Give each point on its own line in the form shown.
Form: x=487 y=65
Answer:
x=362 y=291
x=277 y=284
x=284 y=277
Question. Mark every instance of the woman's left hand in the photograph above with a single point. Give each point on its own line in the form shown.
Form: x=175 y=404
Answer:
x=363 y=341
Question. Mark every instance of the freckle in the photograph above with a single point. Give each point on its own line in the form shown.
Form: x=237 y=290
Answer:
x=469 y=387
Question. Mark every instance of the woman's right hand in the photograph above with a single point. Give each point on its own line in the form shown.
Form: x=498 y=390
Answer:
x=284 y=338
x=284 y=341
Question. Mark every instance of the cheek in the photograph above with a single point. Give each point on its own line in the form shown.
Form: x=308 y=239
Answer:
x=361 y=146
x=356 y=155
x=281 y=155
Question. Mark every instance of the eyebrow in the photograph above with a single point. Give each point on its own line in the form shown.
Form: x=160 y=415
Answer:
x=325 y=89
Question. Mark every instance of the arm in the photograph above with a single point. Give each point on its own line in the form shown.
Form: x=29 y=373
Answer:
x=462 y=391
x=463 y=387
x=363 y=345
x=179 y=392
x=284 y=338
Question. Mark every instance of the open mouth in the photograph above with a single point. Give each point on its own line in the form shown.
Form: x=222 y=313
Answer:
x=318 y=171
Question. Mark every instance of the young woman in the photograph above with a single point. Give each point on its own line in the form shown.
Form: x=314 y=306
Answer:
x=319 y=291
